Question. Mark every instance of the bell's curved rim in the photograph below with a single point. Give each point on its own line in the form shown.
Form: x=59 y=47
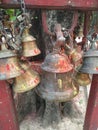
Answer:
x=81 y=83
x=21 y=90
x=54 y=70
x=31 y=53
x=4 y=77
x=91 y=53
x=7 y=53
x=88 y=71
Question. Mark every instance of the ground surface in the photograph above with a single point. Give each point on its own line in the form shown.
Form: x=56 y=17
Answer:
x=68 y=122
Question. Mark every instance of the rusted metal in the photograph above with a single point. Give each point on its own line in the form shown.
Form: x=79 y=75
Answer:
x=55 y=4
x=91 y=118
x=57 y=86
x=8 y=119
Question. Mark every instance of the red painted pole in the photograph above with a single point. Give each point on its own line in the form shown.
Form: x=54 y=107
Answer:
x=91 y=118
x=8 y=119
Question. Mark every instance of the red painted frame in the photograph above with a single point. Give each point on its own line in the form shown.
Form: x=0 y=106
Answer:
x=52 y=4
x=91 y=119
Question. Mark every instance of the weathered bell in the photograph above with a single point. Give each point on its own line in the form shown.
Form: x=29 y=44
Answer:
x=90 y=58
x=82 y=79
x=9 y=65
x=27 y=81
x=57 y=86
x=57 y=63
x=29 y=45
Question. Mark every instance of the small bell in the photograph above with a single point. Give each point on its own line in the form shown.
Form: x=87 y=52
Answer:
x=29 y=45
x=27 y=81
x=90 y=58
x=82 y=79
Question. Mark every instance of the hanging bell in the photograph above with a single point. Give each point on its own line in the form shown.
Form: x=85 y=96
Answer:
x=9 y=65
x=57 y=86
x=57 y=63
x=82 y=79
x=75 y=55
x=27 y=81
x=29 y=45
x=90 y=58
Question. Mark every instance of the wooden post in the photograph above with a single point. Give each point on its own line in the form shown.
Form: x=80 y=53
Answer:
x=8 y=119
x=91 y=118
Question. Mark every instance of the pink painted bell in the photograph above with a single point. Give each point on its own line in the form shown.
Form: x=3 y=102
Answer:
x=57 y=63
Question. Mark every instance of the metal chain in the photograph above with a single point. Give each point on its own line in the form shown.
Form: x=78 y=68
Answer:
x=23 y=7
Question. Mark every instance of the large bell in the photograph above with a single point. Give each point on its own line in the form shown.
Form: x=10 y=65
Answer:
x=27 y=81
x=57 y=86
x=90 y=58
x=29 y=45
x=9 y=65
x=82 y=79
x=56 y=63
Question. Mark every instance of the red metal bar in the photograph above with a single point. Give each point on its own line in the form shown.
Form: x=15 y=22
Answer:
x=87 y=23
x=59 y=4
x=91 y=119
x=87 y=15
x=8 y=119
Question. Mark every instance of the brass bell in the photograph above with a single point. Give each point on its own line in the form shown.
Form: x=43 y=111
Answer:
x=27 y=81
x=9 y=65
x=57 y=86
x=82 y=79
x=29 y=44
x=57 y=63
x=75 y=55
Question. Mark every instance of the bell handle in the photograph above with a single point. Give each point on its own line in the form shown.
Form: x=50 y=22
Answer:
x=59 y=32
x=45 y=26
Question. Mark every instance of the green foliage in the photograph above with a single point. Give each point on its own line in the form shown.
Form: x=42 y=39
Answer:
x=12 y=13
